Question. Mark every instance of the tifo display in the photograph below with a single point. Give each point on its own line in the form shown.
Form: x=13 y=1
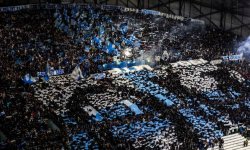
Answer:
x=107 y=77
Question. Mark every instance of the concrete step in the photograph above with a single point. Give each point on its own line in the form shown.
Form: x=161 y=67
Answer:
x=230 y=136
x=233 y=138
x=235 y=146
x=233 y=141
x=245 y=148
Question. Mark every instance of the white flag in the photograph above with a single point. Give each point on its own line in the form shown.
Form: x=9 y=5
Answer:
x=77 y=73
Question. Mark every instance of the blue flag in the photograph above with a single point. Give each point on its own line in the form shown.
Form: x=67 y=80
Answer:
x=124 y=28
x=47 y=71
x=101 y=30
x=86 y=49
x=29 y=79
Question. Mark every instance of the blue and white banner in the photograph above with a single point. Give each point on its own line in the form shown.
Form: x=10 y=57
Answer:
x=41 y=74
x=133 y=107
x=56 y=72
x=131 y=69
x=29 y=79
x=51 y=72
x=151 y=12
x=104 y=7
x=14 y=8
x=232 y=57
x=99 y=76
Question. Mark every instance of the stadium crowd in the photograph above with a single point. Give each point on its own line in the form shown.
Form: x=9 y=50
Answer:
x=39 y=40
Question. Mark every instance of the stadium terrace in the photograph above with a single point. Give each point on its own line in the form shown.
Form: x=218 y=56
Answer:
x=80 y=76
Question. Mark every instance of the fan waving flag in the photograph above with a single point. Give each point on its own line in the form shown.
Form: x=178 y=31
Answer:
x=77 y=73
x=124 y=28
x=101 y=30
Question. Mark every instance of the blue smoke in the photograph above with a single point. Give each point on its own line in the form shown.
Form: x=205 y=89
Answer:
x=245 y=48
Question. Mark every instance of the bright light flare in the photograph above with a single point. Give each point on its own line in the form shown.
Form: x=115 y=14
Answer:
x=127 y=52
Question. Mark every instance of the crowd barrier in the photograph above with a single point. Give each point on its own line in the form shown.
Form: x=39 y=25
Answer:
x=104 y=7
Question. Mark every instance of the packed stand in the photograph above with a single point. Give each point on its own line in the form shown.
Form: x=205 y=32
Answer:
x=183 y=105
